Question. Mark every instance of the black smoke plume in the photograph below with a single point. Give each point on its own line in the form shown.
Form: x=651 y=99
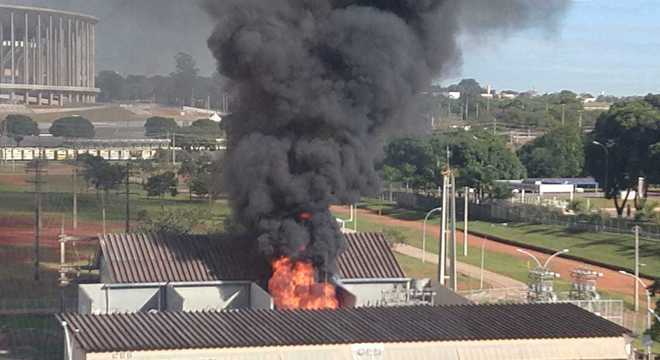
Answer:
x=320 y=83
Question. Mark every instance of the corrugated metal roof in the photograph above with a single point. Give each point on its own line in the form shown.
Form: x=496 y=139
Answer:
x=259 y=328
x=147 y=258
x=368 y=256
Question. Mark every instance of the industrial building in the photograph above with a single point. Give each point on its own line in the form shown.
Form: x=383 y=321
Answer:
x=47 y=57
x=60 y=149
x=145 y=272
x=489 y=332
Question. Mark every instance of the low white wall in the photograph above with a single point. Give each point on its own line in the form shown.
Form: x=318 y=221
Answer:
x=553 y=349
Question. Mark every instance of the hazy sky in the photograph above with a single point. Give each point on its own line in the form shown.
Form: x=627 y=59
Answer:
x=609 y=46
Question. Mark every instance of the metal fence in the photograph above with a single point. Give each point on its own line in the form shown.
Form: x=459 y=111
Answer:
x=503 y=211
x=549 y=213
x=611 y=310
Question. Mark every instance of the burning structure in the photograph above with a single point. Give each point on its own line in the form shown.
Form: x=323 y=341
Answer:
x=149 y=272
x=319 y=85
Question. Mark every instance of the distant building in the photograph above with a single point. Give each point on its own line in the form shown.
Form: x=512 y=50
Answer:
x=454 y=95
x=597 y=106
x=508 y=94
x=48 y=56
x=489 y=94
x=478 y=332
x=60 y=149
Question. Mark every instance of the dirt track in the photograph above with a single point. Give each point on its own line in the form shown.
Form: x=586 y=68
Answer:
x=611 y=281
x=19 y=231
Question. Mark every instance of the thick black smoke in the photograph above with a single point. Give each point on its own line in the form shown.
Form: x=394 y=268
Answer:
x=319 y=85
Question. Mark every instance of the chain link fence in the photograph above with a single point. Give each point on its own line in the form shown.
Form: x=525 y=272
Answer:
x=503 y=211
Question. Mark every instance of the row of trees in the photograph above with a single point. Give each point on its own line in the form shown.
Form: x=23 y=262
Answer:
x=184 y=86
x=478 y=157
x=526 y=111
x=201 y=133
x=19 y=126
x=623 y=147
x=199 y=172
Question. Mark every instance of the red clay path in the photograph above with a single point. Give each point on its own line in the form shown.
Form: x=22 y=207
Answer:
x=19 y=230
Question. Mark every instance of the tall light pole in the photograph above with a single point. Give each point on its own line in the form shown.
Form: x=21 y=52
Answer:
x=607 y=164
x=547 y=262
x=424 y=232
x=648 y=307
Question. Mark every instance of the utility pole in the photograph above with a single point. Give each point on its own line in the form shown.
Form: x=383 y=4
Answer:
x=174 y=149
x=103 y=211
x=580 y=120
x=563 y=114
x=442 y=266
x=75 y=197
x=467 y=108
x=637 y=267
x=465 y=221
x=477 y=112
x=38 y=172
x=452 y=263
x=128 y=197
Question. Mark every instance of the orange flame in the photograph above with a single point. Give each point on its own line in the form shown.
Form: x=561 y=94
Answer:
x=293 y=286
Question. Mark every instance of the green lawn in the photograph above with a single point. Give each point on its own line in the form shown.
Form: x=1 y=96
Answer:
x=33 y=336
x=615 y=249
x=609 y=248
x=415 y=268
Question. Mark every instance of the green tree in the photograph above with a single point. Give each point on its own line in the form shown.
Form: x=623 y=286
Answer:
x=479 y=157
x=630 y=131
x=73 y=127
x=111 y=85
x=159 y=127
x=159 y=185
x=19 y=125
x=413 y=159
x=184 y=77
x=559 y=153
x=99 y=173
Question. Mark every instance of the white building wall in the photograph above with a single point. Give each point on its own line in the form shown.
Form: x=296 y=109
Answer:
x=544 y=349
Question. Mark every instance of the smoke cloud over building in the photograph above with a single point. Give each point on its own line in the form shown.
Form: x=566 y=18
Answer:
x=320 y=84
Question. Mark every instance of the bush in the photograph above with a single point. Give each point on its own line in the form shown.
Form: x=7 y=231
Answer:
x=576 y=206
x=159 y=127
x=19 y=125
x=159 y=185
x=178 y=222
x=73 y=127
x=394 y=236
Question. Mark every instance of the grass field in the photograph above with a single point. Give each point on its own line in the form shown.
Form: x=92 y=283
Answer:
x=609 y=248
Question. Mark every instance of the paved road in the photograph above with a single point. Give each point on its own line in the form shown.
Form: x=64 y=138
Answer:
x=494 y=280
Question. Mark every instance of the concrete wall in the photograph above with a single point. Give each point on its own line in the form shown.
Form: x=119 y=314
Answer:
x=101 y=299
x=260 y=298
x=543 y=349
x=207 y=298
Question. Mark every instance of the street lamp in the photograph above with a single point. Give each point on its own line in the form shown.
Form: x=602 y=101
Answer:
x=648 y=307
x=607 y=164
x=530 y=255
x=545 y=265
x=424 y=232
